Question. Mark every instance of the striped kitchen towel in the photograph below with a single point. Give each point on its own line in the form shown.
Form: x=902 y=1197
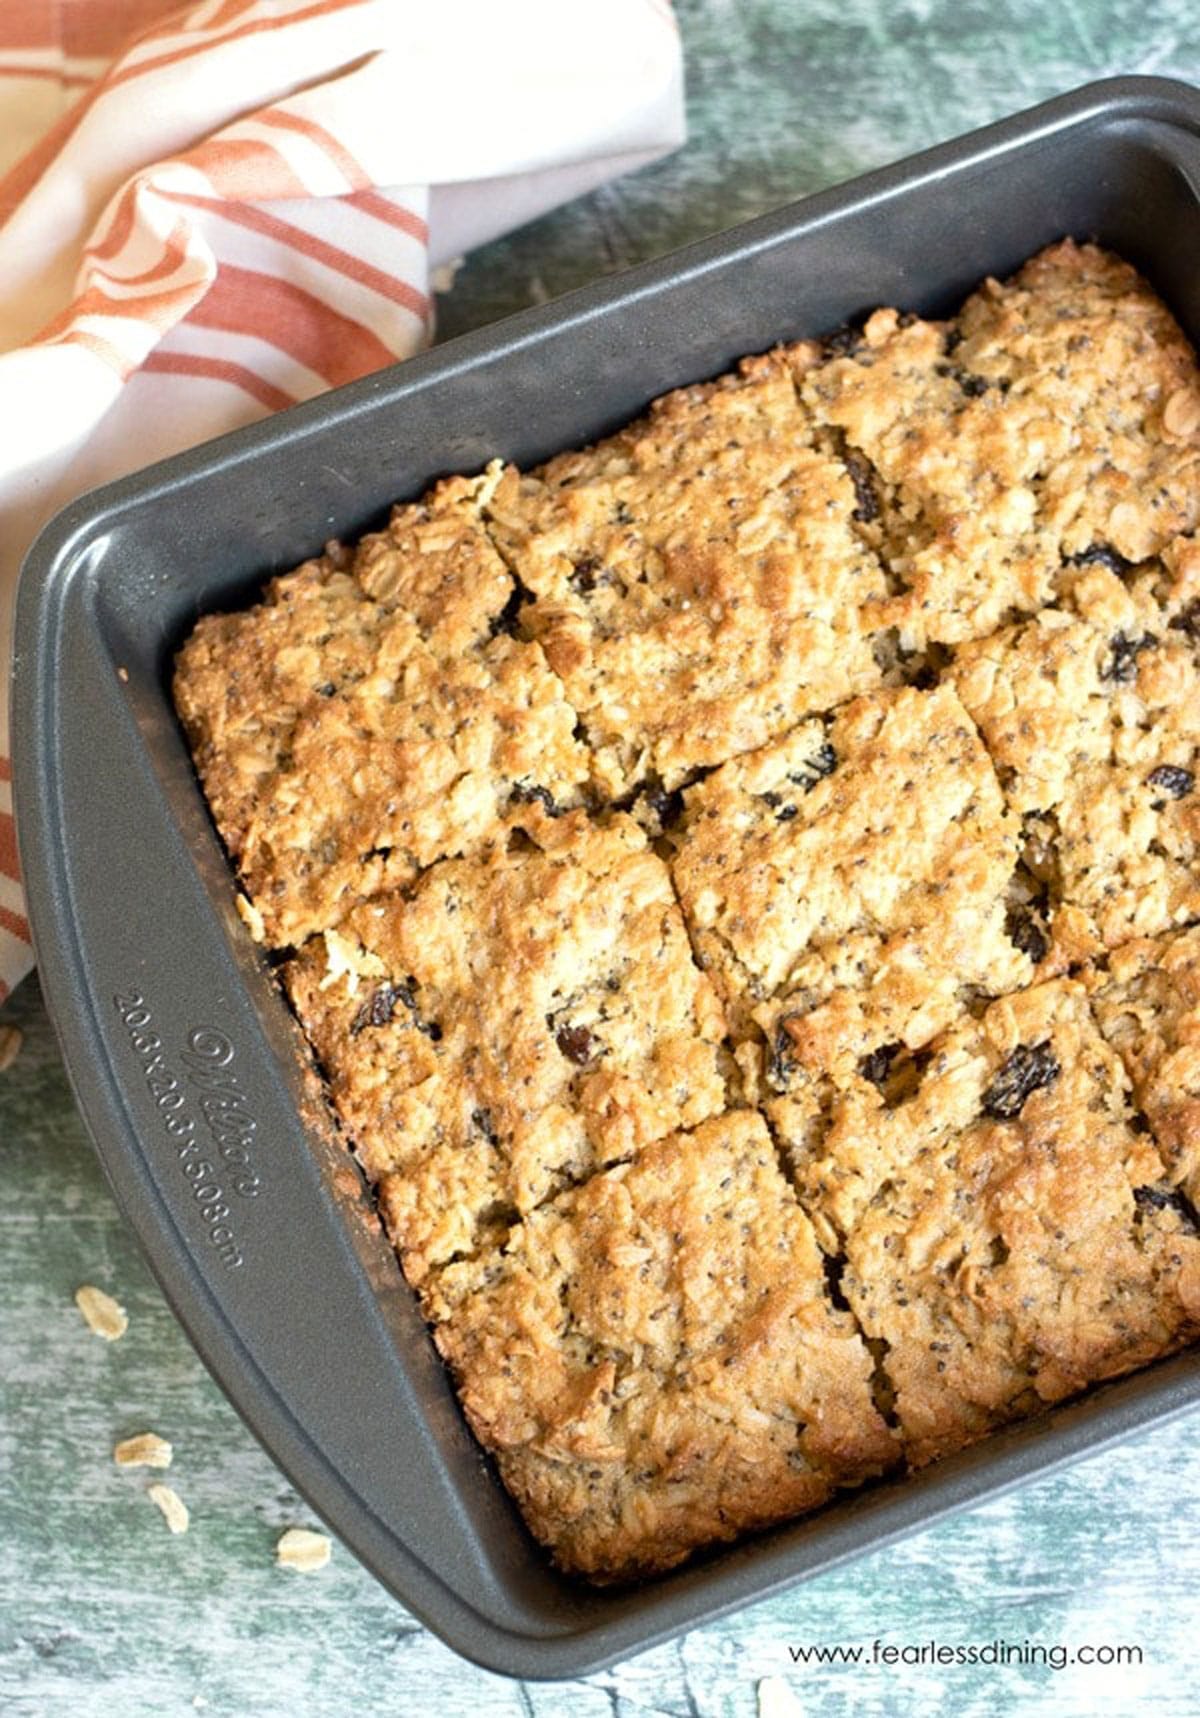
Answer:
x=243 y=202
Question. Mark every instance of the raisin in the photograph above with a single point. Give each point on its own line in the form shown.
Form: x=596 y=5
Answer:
x=895 y=1072
x=1168 y=1199
x=878 y=1065
x=866 y=496
x=481 y=1121
x=1188 y=619
x=380 y=1008
x=1024 y=931
x=843 y=342
x=576 y=1043
x=526 y=793
x=1100 y=555
x=1156 y=1198
x=1173 y=780
x=784 y=810
x=583 y=578
x=971 y=385
x=822 y=763
x=1122 y=666
x=327 y=690
x=1031 y=939
x=1030 y=1067
x=781 y=1065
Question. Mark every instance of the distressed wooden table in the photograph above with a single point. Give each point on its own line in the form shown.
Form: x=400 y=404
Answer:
x=103 y=1614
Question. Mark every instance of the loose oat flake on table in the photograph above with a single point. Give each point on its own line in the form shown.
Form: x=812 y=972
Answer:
x=145 y=1449
x=103 y=1315
x=174 y=1509
x=738 y=881
x=303 y=1550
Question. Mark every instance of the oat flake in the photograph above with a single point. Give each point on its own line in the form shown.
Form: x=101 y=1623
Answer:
x=105 y=1316
x=175 y=1511
x=300 y=1548
x=146 y=1449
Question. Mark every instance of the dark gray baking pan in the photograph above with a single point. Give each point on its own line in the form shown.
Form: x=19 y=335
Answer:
x=183 y=1057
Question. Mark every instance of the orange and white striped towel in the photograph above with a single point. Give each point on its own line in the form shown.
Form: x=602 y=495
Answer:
x=241 y=204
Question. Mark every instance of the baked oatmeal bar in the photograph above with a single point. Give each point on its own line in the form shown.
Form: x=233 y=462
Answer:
x=846 y=886
x=1057 y=414
x=741 y=883
x=1091 y=713
x=1005 y=1228
x=1147 y=1003
x=509 y=1025
x=699 y=577
x=654 y=1360
x=372 y=716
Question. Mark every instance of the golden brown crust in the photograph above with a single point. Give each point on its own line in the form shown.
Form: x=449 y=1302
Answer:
x=654 y=1360
x=989 y=1220
x=1102 y=398
x=787 y=748
x=1058 y=412
x=1147 y=1003
x=509 y=1025
x=846 y=886
x=363 y=721
x=1091 y=713
x=698 y=577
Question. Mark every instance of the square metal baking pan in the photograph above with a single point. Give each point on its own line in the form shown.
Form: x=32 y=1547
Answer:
x=183 y=1057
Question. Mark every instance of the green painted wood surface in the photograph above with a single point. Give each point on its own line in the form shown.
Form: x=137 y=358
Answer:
x=104 y=1615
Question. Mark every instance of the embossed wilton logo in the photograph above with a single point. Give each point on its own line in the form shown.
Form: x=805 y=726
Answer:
x=207 y=1057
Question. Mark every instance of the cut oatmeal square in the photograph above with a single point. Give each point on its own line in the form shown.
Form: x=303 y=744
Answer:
x=1091 y=713
x=372 y=716
x=699 y=578
x=509 y=1025
x=846 y=886
x=653 y=1359
x=1102 y=390
x=1007 y=1231
x=1147 y=1002
x=1057 y=415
